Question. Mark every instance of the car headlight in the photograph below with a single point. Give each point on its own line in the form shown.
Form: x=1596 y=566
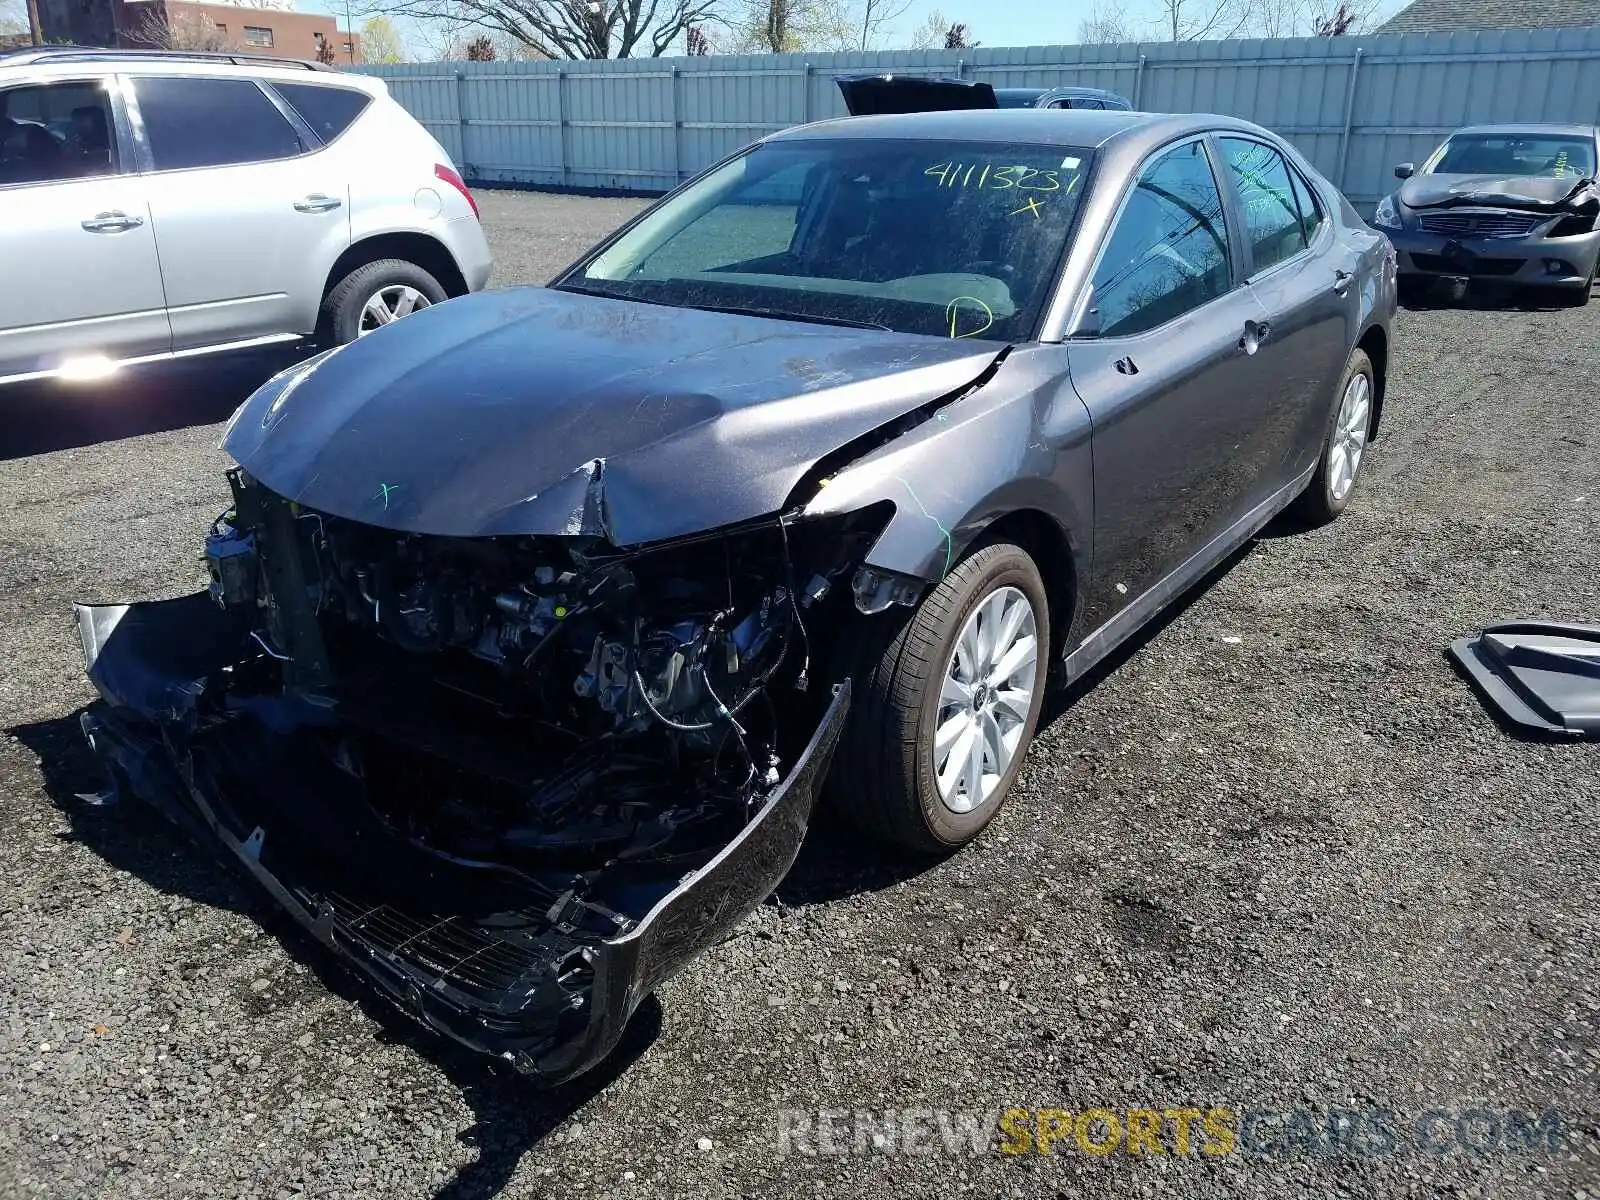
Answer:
x=1387 y=214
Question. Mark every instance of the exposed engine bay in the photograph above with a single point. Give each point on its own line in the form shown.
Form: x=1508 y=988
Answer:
x=629 y=692
x=484 y=764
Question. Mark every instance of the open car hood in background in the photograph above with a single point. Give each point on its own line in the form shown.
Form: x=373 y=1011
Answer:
x=1526 y=193
x=873 y=95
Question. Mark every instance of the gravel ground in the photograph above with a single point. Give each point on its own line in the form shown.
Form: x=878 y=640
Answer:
x=1278 y=857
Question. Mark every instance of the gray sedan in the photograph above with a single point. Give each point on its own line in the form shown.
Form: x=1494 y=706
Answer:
x=540 y=618
x=1512 y=204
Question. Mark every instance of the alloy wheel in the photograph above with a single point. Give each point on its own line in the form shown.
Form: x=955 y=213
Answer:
x=1349 y=441
x=984 y=699
x=389 y=304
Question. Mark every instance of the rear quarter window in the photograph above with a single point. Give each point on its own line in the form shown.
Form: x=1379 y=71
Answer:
x=328 y=110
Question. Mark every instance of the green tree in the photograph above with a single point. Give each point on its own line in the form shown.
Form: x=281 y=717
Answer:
x=381 y=42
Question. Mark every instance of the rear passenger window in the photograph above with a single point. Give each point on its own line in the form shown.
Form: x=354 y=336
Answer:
x=1310 y=209
x=328 y=110
x=1271 y=213
x=1169 y=251
x=194 y=122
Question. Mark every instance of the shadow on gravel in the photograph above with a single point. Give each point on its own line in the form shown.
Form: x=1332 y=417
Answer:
x=45 y=417
x=1487 y=297
x=511 y=1113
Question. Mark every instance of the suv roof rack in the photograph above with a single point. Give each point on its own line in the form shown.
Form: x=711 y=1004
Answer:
x=36 y=54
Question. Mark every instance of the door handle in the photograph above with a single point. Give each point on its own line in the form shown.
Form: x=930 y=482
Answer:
x=1342 y=281
x=1255 y=332
x=317 y=203
x=1126 y=366
x=114 y=221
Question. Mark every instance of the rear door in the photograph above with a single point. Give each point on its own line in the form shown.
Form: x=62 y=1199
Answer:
x=1161 y=361
x=80 y=276
x=250 y=213
x=1302 y=279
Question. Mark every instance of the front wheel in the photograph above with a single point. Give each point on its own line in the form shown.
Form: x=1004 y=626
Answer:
x=372 y=296
x=1344 y=449
x=947 y=701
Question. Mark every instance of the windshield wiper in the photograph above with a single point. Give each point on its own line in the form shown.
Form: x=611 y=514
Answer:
x=779 y=314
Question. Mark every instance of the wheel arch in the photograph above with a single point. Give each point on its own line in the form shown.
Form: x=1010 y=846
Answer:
x=427 y=252
x=1053 y=550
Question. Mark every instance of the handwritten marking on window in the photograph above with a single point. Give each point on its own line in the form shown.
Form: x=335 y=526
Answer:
x=995 y=178
x=1032 y=206
x=952 y=312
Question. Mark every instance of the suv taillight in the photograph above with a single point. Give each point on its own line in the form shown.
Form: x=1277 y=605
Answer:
x=449 y=176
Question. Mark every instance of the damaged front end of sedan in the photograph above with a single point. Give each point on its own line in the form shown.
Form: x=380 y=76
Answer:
x=517 y=781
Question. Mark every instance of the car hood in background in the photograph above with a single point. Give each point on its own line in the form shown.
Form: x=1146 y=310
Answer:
x=1528 y=193
x=874 y=95
x=533 y=411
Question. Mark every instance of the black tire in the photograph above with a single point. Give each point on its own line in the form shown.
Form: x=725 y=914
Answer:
x=1318 y=505
x=883 y=777
x=340 y=319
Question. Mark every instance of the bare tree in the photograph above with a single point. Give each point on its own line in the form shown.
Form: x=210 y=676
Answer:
x=875 y=17
x=184 y=29
x=13 y=17
x=1106 y=26
x=939 y=32
x=568 y=28
x=1203 y=20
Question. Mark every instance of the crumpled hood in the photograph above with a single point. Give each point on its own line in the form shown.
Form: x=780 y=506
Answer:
x=1524 y=193
x=533 y=411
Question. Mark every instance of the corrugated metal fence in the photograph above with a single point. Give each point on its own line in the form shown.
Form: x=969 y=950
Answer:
x=1354 y=106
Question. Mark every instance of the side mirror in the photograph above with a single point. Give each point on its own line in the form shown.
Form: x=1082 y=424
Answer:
x=1405 y=170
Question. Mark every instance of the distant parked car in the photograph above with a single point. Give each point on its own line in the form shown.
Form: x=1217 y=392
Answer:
x=1512 y=203
x=1060 y=97
x=877 y=95
x=157 y=206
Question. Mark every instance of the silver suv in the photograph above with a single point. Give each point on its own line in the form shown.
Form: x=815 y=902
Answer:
x=157 y=206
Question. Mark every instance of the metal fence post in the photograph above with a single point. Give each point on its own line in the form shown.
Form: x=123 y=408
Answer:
x=677 y=125
x=805 y=97
x=461 y=123
x=1138 y=83
x=1349 y=118
x=561 y=120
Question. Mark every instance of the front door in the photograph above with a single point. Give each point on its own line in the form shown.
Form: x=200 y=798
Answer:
x=1168 y=367
x=250 y=216
x=81 y=278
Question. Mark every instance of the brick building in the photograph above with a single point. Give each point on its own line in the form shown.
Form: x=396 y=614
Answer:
x=271 y=28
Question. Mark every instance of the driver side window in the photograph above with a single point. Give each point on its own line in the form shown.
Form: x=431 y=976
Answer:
x=54 y=132
x=1169 y=251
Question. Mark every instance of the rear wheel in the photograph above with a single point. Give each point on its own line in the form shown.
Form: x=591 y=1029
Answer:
x=372 y=296
x=947 y=701
x=1344 y=449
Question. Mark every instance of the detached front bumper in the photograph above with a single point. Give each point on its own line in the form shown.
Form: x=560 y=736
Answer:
x=445 y=940
x=1529 y=261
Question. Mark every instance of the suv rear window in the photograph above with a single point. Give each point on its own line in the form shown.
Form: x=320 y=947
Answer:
x=193 y=122
x=328 y=110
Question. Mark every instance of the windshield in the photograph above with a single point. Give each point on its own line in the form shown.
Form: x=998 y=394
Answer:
x=1515 y=154
x=952 y=239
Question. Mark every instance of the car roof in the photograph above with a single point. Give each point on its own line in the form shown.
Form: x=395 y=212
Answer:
x=66 y=62
x=1081 y=127
x=1533 y=128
